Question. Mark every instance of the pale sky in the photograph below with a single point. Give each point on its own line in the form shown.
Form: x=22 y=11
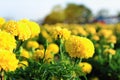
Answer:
x=38 y=9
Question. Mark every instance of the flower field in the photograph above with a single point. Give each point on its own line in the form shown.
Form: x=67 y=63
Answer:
x=29 y=51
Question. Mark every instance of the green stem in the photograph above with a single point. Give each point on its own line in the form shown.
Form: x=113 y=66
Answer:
x=110 y=57
x=61 y=49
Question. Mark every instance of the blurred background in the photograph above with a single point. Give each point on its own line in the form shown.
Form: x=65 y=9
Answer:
x=62 y=11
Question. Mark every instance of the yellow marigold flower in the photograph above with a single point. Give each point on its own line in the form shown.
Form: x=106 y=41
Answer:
x=95 y=37
x=79 y=47
x=7 y=41
x=38 y=54
x=112 y=39
x=59 y=33
x=23 y=64
x=105 y=33
x=8 y=61
x=46 y=35
x=90 y=29
x=86 y=67
x=78 y=30
x=34 y=27
x=25 y=53
x=11 y=27
x=53 y=48
x=24 y=32
x=110 y=51
x=48 y=56
x=2 y=21
x=32 y=44
x=41 y=47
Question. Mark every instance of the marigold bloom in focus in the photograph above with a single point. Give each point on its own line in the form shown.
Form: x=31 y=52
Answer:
x=35 y=29
x=8 y=61
x=11 y=27
x=86 y=67
x=79 y=47
x=7 y=41
x=24 y=32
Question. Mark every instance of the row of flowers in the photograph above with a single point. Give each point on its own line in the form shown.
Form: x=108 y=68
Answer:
x=29 y=51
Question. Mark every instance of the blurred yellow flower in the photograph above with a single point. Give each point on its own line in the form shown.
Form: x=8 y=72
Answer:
x=86 y=67
x=45 y=55
x=25 y=53
x=23 y=64
x=46 y=35
x=8 y=61
x=38 y=54
x=59 y=33
x=11 y=27
x=24 y=32
x=41 y=47
x=79 y=47
x=53 y=48
x=105 y=33
x=2 y=21
x=7 y=41
x=32 y=44
x=110 y=51
x=112 y=39
x=48 y=56
x=95 y=37
x=90 y=29
x=78 y=30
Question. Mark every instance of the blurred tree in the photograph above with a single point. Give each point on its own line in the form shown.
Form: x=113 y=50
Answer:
x=118 y=15
x=71 y=14
x=56 y=16
x=77 y=14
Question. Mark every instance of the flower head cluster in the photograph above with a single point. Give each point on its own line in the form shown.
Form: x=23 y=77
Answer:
x=59 y=33
x=7 y=41
x=32 y=44
x=24 y=32
x=11 y=27
x=25 y=53
x=34 y=27
x=110 y=51
x=86 y=67
x=105 y=33
x=79 y=47
x=41 y=54
x=8 y=61
x=53 y=48
x=2 y=21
